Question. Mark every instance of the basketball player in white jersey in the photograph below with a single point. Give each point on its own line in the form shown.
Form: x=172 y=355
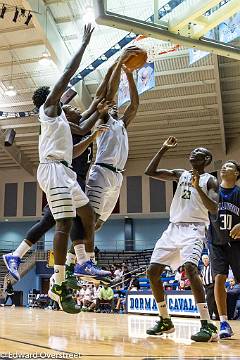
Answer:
x=105 y=178
x=182 y=242
x=56 y=178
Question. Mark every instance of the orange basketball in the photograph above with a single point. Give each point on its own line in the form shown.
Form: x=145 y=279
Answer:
x=136 y=61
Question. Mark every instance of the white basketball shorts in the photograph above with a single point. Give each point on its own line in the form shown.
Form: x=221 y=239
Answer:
x=64 y=194
x=180 y=243
x=103 y=189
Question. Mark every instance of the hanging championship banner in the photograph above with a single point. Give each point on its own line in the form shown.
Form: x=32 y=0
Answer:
x=145 y=78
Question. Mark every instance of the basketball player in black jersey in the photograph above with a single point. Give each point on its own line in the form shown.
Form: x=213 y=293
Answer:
x=224 y=240
x=81 y=166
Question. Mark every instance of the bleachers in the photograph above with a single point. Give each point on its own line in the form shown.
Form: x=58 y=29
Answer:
x=133 y=259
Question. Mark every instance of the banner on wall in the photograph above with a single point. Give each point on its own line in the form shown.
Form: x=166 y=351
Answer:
x=178 y=302
x=145 y=78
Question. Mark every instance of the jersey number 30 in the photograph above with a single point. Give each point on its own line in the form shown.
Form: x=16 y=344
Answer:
x=226 y=222
x=186 y=194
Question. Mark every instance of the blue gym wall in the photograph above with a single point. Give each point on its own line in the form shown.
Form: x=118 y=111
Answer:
x=28 y=282
x=111 y=237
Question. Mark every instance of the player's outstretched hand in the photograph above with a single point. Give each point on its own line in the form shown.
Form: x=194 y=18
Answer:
x=104 y=106
x=88 y=30
x=99 y=130
x=195 y=179
x=171 y=142
x=235 y=232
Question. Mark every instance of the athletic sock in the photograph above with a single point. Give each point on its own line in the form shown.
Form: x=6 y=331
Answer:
x=80 y=253
x=203 y=310
x=91 y=256
x=22 y=249
x=223 y=318
x=59 y=274
x=163 y=310
x=71 y=258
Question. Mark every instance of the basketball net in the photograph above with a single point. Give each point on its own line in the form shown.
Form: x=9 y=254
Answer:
x=155 y=48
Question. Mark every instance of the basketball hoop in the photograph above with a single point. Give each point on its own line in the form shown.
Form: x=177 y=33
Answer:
x=155 y=48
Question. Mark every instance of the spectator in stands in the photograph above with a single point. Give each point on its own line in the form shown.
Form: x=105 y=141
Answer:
x=118 y=273
x=87 y=299
x=233 y=294
x=120 y=299
x=80 y=295
x=208 y=283
x=106 y=296
x=126 y=277
x=2 y=295
x=96 y=292
x=134 y=284
x=180 y=274
x=10 y=293
x=181 y=286
x=97 y=252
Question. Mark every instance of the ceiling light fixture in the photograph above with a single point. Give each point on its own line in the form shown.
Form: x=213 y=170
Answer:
x=11 y=91
x=3 y=11
x=29 y=17
x=15 y=15
x=45 y=59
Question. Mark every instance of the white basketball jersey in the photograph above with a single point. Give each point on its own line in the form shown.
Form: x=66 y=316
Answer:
x=55 y=141
x=187 y=205
x=112 y=145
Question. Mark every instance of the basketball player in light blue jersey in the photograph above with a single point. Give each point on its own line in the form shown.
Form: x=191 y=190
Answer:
x=182 y=242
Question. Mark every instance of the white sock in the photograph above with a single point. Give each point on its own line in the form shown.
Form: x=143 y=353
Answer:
x=71 y=259
x=203 y=310
x=22 y=249
x=80 y=253
x=91 y=255
x=163 y=310
x=223 y=318
x=59 y=274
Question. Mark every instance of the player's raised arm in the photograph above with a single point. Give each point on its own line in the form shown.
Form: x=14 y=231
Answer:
x=116 y=73
x=132 y=108
x=209 y=200
x=51 y=105
x=163 y=174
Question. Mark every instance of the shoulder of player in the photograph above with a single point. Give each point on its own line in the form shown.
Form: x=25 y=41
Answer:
x=212 y=182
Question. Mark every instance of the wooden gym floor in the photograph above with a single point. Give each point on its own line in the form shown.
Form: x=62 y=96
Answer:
x=104 y=336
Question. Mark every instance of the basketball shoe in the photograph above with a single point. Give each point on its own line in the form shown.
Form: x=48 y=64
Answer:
x=12 y=263
x=207 y=333
x=61 y=295
x=88 y=271
x=71 y=280
x=225 y=330
x=163 y=326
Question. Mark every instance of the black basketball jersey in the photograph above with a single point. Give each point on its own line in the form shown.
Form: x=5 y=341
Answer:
x=82 y=163
x=227 y=216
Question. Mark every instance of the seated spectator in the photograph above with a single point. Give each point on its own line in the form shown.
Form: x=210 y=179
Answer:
x=126 y=276
x=106 y=296
x=97 y=252
x=233 y=294
x=118 y=273
x=96 y=292
x=134 y=284
x=181 y=286
x=180 y=274
x=87 y=299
